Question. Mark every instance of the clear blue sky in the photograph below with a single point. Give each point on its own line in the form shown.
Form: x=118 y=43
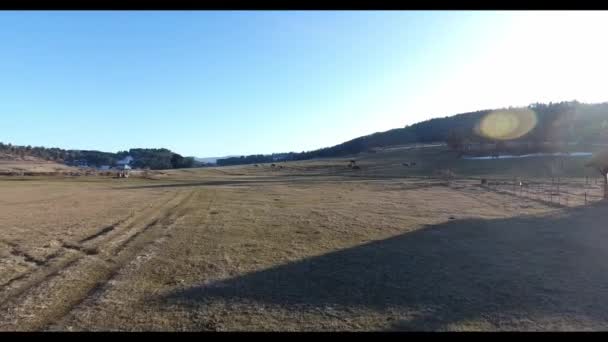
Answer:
x=238 y=82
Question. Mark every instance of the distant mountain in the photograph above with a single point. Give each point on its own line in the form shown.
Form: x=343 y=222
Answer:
x=555 y=122
x=572 y=122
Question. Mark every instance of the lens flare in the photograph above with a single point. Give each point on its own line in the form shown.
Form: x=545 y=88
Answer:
x=507 y=124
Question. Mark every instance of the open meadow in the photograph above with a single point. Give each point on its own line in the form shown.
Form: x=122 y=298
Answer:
x=308 y=245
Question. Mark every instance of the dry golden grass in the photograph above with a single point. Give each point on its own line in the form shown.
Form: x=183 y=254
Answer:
x=312 y=246
x=33 y=166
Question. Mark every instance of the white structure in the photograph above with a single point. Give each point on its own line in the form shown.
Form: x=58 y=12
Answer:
x=125 y=161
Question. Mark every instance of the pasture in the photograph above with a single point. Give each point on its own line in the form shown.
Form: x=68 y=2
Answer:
x=313 y=245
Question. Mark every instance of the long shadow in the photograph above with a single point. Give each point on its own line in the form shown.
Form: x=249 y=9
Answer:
x=496 y=270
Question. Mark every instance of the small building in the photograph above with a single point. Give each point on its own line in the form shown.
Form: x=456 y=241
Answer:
x=125 y=161
x=124 y=166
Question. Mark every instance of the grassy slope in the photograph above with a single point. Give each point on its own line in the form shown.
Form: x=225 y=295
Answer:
x=428 y=160
x=12 y=163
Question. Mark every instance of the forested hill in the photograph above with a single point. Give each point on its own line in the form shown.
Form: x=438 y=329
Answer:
x=556 y=122
x=153 y=158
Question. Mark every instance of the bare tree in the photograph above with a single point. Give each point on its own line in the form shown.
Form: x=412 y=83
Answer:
x=599 y=161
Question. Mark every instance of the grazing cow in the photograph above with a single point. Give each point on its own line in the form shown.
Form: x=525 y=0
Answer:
x=406 y=164
x=272 y=165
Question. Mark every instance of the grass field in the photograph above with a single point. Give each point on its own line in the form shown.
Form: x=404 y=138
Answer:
x=314 y=245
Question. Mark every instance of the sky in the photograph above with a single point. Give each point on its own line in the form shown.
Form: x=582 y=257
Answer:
x=213 y=83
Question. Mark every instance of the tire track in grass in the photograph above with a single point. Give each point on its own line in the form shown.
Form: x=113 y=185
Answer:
x=41 y=270
x=123 y=275
x=149 y=248
x=54 y=290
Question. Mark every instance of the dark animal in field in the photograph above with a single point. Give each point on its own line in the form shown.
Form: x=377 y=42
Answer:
x=484 y=181
x=356 y=167
x=272 y=165
x=406 y=164
x=256 y=165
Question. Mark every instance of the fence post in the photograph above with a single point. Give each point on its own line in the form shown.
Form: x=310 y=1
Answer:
x=585 y=197
x=559 y=195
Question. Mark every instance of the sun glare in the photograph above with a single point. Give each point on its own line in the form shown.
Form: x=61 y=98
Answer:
x=507 y=124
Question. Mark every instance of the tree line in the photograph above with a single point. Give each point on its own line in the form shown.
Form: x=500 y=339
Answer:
x=257 y=159
x=151 y=158
x=568 y=121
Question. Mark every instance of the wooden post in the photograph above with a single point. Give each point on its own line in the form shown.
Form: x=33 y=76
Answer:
x=559 y=195
x=520 y=189
x=605 y=185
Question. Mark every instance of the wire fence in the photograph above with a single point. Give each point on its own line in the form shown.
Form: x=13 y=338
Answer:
x=558 y=191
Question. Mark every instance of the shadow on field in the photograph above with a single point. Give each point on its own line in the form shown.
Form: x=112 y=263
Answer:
x=525 y=267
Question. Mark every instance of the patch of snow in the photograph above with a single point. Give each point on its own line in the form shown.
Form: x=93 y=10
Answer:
x=557 y=154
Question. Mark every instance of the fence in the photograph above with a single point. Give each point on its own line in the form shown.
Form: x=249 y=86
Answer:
x=557 y=191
